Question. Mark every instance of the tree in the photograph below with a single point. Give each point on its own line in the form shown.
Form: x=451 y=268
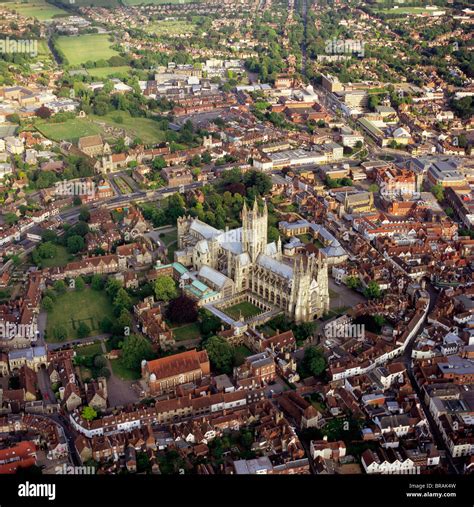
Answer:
x=104 y=372
x=10 y=218
x=59 y=333
x=75 y=244
x=313 y=363
x=438 y=192
x=79 y=283
x=208 y=323
x=59 y=286
x=135 y=348
x=182 y=310
x=352 y=282
x=123 y=323
x=112 y=287
x=84 y=215
x=88 y=413
x=83 y=330
x=106 y=325
x=372 y=291
x=47 y=303
x=158 y=163
x=97 y=282
x=99 y=361
x=220 y=354
x=122 y=301
x=43 y=112
x=49 y=236
x=165 y=288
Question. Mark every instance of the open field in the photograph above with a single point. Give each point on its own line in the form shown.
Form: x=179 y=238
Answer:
x=85 y=48
x=144 y=128
x=245 y=308
x=170 y=27
x=73 y=307
x=70 y=130
x=187 y=332
x=403 y=11
x=103 y=72
x=38 y=9
x=91 y=3
x=158 y=2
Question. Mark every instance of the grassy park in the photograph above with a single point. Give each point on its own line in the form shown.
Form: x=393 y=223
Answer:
x=70 y=130
x=39 y=9
x=73 y=307
x=85 y=48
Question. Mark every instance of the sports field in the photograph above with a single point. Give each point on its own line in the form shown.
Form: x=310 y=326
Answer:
x=70 y=130
x=85 y=48
x=404 y=11
x=39 y=9
x=73 y=307
x=158 y=2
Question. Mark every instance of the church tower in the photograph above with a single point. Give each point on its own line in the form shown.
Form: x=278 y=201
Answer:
x=254 y=230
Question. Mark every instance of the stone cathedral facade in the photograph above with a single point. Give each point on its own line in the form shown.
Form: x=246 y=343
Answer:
x=299 y=288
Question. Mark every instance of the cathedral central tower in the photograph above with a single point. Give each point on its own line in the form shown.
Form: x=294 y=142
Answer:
x=254 y=230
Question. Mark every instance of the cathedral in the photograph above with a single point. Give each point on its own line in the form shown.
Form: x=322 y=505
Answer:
x=242 y=261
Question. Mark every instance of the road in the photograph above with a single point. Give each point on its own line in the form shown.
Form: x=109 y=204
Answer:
x=408 y=362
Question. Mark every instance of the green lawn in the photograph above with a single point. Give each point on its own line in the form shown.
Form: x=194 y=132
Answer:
x=89 y=350
x=88 y=306
x=240 y=353
x=146 y=129
x=38 y=9
x=85 y=48
x=61 y=258
x=123 y=372
x=170 y=240
x=187 y=332
x=158 y=2
x=103 y=72
x=245 y=308
x=70 y=130
x=170 y=27
x=406 y=10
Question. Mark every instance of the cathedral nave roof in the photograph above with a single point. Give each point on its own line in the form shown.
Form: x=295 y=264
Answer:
x=275 y=266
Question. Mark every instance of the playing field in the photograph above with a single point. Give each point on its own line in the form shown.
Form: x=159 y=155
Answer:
x=103 y=72
x=245 y=309
x=73 y=307
x=70 y=130
x=158 y=2
x=170 y=27
x=404 y=11
x=38 y=9
x=85 y=48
